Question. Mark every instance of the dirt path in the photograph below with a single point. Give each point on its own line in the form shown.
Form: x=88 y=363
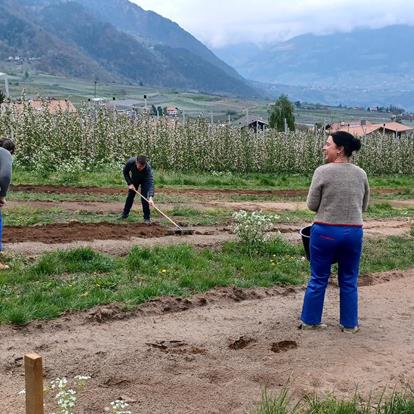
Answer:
x=116 y=207
x=59 y=189
x=203 y=237
x=118 y=240
x=218 y=357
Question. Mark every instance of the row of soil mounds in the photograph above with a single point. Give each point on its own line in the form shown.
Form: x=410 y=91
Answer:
x=74 y=231
x=60 y=189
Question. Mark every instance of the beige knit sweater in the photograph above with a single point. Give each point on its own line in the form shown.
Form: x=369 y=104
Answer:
x=339 y=193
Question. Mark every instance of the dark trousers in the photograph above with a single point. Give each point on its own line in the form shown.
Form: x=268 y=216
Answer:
x=130 y=200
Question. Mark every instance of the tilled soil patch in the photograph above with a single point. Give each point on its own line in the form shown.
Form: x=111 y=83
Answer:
x=59 y=189
x=67 y=232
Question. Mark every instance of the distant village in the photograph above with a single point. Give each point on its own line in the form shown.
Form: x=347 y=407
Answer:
x=132 y=108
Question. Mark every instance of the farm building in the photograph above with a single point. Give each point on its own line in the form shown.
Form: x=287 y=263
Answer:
x=255 y=124
x=363 y=128
x=171 y=111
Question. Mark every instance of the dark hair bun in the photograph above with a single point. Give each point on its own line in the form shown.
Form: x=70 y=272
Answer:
x=356 y=144
x=346 y=140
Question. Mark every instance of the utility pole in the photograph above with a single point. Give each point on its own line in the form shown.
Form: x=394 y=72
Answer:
x=95 y=87
x=145 y=102
x=6 y=84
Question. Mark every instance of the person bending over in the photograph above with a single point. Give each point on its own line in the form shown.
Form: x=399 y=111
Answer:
x=138 y=173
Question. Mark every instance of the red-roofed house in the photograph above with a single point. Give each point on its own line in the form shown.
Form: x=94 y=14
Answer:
x=363 y=128
x=52 y=105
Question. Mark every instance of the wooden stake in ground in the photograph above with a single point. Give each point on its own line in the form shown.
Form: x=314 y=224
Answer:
x=34 y=383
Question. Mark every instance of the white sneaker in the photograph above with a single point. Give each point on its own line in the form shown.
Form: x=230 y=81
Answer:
x=353 y=330
x=305 y=327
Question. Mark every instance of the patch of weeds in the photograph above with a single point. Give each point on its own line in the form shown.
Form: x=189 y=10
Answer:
x=277 y=404
x=283 y=403
x=194 y=217
x=29 y=216
x=385 y=210
x=17 y=316
x=390 y=253
x=399 y=403
x=81 y=260
x=184 y=212
x=79 y=197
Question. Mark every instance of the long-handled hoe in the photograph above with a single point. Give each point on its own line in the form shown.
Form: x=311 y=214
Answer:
x=178 y=229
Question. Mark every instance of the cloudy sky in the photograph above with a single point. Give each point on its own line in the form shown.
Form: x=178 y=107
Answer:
x=223 y=22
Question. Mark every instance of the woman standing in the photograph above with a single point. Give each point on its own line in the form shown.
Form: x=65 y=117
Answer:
x=6 y=151
x=339 y=193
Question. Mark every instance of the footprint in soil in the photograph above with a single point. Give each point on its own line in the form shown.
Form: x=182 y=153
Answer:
x=241 y=343
x=283 y=346
x=165 y=345
x=176 y=347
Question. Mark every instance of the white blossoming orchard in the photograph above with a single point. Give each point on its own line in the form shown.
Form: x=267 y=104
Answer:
x=90 y=139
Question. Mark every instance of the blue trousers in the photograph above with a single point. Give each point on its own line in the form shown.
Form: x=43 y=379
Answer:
x=327 y=244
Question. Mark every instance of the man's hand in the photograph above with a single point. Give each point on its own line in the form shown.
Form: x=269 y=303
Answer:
x=132 y=187
x=2 y=201
x=151 y=202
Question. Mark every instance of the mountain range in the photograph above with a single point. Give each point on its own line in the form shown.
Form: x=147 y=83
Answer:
x=114 y=41
x=118 y=41
x=365 y=66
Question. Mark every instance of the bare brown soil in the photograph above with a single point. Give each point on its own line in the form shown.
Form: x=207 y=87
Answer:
x=67 y=232
x=216 y=352
x=59 y=189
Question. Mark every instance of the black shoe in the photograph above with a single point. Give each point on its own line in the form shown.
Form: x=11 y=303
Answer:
x=123 y=216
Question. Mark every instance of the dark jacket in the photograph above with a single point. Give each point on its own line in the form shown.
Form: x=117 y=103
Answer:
x=5 y=171
x=133 y=176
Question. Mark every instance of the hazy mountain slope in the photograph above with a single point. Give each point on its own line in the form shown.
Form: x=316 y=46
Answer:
x=363 y=58
x=19 y=36
x=151 y=27
x=66 y=38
